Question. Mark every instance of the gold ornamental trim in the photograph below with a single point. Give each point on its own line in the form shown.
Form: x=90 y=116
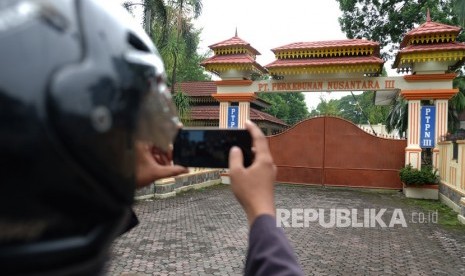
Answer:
x=432 y=38
x=431 y=56
x=364 y=68
x=322 y=53
x=233 y=51
x=223 y=67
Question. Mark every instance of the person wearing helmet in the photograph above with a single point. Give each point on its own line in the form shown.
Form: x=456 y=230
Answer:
x=86 y=118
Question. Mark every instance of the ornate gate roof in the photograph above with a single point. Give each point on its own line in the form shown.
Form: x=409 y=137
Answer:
x=431 y=41
x=233 y=54
x=335 y=56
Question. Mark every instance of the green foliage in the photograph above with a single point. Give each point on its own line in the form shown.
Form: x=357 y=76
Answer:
x=425 y=176
x=360 y=110
x=459 y=7
x=169 y=23
x=387 y=21
x=289 y=107
x=326 y=108
x=398 y=116
x=182 y=102
x=190 y=70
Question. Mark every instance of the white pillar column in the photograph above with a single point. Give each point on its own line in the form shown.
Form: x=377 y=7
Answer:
x=223 y=115
x=244 y=113
x=441 y=127
x=413 y=150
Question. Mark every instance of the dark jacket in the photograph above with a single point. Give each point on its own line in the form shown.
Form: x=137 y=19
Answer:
x=269 y=250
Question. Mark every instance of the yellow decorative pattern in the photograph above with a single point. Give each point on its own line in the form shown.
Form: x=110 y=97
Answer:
x=327 y=52
x=431 y=38
x=216 y=68
x=431 y=56
x=233 y=51
x=361 y=68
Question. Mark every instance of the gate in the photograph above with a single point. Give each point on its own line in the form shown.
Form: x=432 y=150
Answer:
x=335 y=152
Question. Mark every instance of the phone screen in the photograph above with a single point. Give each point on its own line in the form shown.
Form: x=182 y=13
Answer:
x=209 y=148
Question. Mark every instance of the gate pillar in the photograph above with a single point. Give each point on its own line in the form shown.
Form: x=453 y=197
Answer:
x=234 y=61
x=234 y=107
x=413 y=150
x=442 y=110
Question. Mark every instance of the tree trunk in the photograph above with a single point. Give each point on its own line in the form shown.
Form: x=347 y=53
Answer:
x=148 y=20
x=173 y=74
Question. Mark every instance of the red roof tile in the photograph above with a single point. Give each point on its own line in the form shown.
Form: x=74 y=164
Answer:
x=204 y=113
x=198 y=88
x=325 y=61
x=257 y=115
x=233 y=59
x=238 y=58
x=207 y=88
x=234 y=41
x=429 y=28
x=433 y=47
x=327 y=44
x=213 y=113
x=451 y=46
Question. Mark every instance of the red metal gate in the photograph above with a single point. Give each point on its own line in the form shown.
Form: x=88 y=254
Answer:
x=335 y=152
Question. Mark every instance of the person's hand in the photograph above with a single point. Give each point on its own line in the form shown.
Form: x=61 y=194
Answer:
x=153 y=164
x=254 y=186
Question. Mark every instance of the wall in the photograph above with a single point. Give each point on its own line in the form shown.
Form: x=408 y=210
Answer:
x=170 y=186
x=452 y=173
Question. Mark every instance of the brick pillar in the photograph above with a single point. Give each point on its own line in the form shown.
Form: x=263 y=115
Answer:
x=226 y=99
x=223 y=115
x=441 y=127
x=244 y=113
x=413 y=150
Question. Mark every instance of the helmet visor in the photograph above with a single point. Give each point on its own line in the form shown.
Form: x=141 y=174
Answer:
x=158 y=121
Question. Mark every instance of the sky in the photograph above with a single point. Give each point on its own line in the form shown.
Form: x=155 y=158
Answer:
x=269 y=24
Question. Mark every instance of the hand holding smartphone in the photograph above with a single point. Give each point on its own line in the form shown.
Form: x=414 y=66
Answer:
x=209 y=148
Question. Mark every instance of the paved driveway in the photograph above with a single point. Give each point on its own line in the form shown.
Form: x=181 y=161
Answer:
x=205 y=233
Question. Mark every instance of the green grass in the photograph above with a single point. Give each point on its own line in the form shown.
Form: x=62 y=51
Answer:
x=446 y=216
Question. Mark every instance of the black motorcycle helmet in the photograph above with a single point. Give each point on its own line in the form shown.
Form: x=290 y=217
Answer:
x=78 y=84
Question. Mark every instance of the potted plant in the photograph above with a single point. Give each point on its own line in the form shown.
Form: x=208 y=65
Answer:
x=421 y=183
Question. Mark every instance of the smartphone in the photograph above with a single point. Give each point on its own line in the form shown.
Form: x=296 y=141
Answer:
x=209 y=148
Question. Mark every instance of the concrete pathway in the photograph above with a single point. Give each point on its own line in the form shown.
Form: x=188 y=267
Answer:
x=205 y=233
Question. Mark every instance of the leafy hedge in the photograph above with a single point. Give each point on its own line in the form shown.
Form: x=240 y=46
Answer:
x=425 y=176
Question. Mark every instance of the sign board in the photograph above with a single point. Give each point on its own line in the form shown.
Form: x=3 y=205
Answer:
x=233 y=117
x=290 y=84
x=427 y=126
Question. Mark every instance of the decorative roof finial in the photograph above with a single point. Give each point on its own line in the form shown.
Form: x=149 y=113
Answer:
x=428 y=17
x=236 y=32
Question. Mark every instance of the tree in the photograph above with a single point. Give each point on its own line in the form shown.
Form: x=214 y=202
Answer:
x=182 y=102
x=154 y=11
x=457 y=103
x=389 y=20
x=327 y=108
x=360 y=109
x=184 y=11
x=459 y=7
x=289 y=107
x=398 y=116
x=169 y=23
